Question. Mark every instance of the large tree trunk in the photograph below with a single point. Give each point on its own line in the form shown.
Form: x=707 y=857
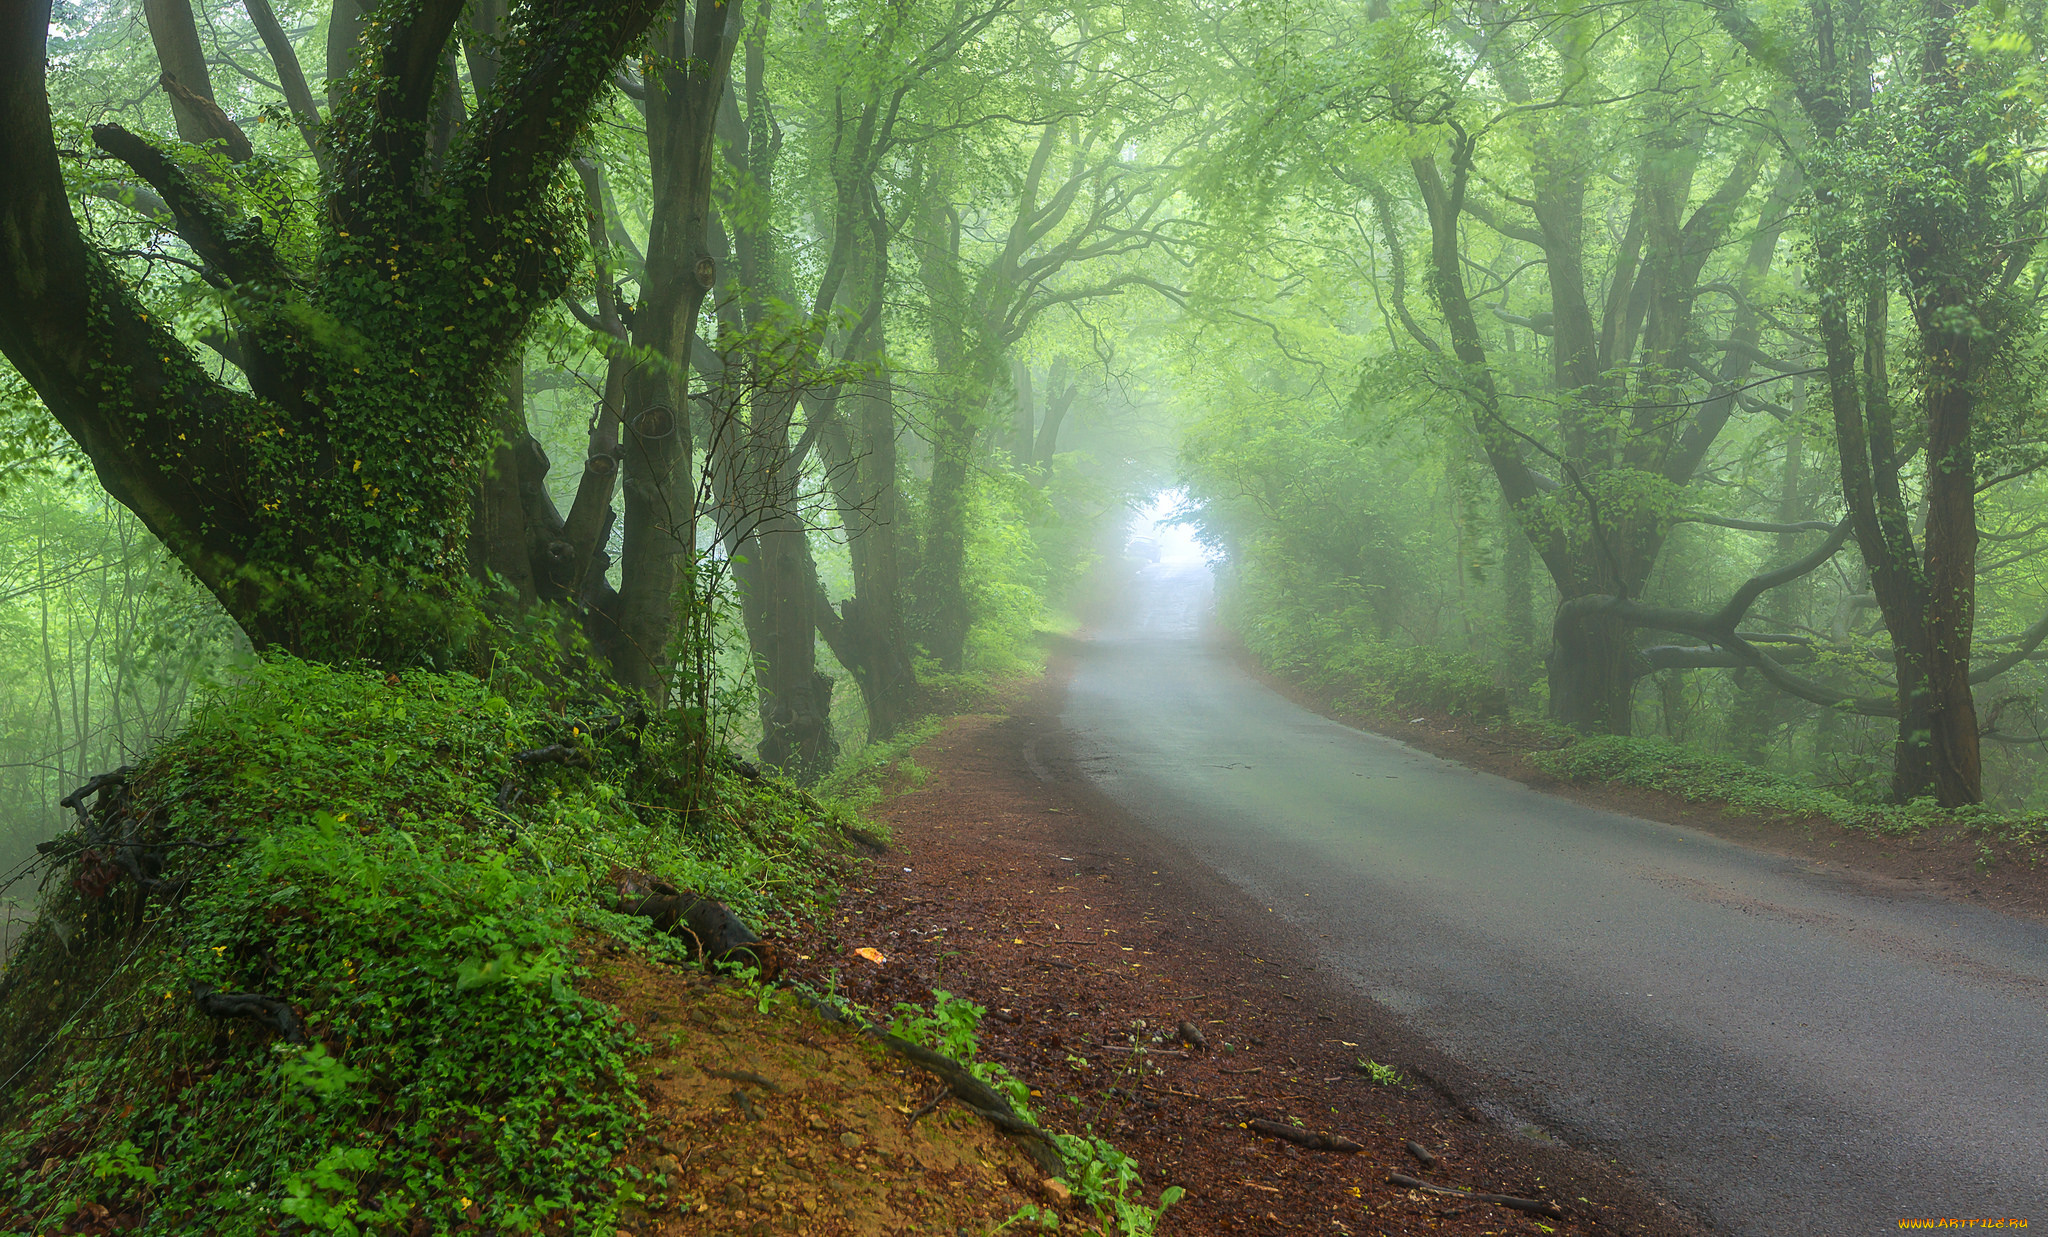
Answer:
x=500 y=556
x=1956 y=771
x=966 y=377
x=185 y=78
x=796 y=699
x=660 y=497
x=1593 y=667
x=889 y=684
x=867 y=632
x=942 y=585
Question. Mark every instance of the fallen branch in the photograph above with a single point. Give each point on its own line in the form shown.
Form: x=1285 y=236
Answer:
x=267 y=1010
x=931 y=1105
x=1306 y=1138
x=717 y=934
x=1534 y=1206
x=556 y=754
x=1422 y=1154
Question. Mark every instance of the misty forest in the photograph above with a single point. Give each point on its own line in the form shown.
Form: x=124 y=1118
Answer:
x=538 y=538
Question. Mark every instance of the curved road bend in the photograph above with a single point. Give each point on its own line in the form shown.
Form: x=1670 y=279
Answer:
x=1781 y=1052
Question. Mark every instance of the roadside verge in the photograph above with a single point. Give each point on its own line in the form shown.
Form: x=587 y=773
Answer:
x=1952 y=859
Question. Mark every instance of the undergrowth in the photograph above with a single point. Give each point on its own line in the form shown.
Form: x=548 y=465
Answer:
x=1331 y=652
x=347 y=852
x=1699 y=777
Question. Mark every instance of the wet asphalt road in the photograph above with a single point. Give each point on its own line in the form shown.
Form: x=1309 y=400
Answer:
x=1777 y=1049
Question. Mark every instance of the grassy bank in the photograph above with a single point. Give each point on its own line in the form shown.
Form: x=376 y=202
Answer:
x=366 y=851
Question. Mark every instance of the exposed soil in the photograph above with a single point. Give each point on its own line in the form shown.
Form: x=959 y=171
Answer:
x=777 y=1121
x=1013 y=883
x=1962 y=864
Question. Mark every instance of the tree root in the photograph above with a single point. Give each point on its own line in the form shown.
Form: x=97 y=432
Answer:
x=112 y=843
x=972 y=1093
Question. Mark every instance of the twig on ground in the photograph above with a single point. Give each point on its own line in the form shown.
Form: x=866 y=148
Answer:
x=1534 y=1206
x=931 y=1105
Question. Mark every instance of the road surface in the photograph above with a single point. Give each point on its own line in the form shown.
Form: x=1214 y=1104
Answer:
x=1777 y=1049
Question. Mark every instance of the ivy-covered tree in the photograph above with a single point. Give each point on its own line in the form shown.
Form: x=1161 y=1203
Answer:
x=324 y=496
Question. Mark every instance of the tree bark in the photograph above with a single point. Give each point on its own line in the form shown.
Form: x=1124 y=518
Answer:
x=660 y=500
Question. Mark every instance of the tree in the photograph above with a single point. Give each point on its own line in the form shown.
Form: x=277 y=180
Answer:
x=327 y=503
x=1926 y=188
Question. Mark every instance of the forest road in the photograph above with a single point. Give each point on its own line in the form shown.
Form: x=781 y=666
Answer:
x=1777 y=1049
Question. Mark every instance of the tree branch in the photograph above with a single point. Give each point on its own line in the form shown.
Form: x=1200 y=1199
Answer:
x=291 y=77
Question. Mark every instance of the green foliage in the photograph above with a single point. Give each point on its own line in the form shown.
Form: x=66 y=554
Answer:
x=1006 y=576
x=951 y=1028
x=357 y=864
x=1384 y=1075
x=859 y=781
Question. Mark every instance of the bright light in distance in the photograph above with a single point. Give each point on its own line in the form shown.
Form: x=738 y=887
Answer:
x=1153 y=538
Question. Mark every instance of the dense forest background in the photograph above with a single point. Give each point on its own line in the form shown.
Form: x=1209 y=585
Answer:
x=1665 y=369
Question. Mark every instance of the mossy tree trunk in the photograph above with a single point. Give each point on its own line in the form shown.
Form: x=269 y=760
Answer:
x=327 y=506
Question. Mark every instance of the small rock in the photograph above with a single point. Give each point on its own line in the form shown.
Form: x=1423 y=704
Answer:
x=849 y=1140
x=1056 y=1191
x=816 y=1123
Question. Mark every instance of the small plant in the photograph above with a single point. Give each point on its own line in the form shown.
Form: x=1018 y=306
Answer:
x=1029 y=1213
x=764 y=994
x=1100 y=1176
x=1107 y=1180
x=1384 y=1075
x=123 y=1161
